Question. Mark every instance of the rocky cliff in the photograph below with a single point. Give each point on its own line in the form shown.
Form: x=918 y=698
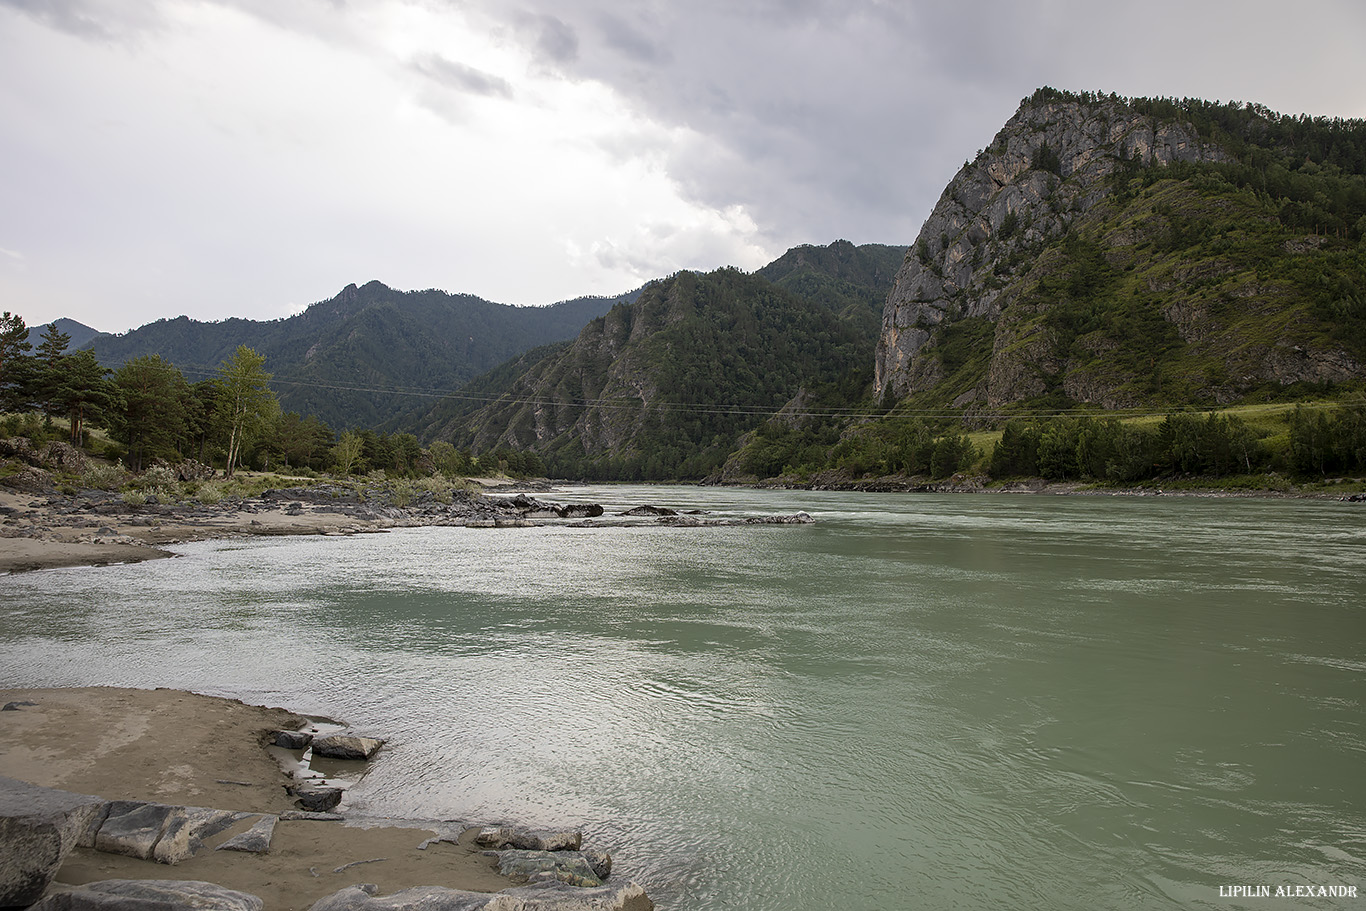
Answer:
x=1091 y=252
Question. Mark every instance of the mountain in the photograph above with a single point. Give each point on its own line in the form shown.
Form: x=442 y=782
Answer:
x=665 y=386
x=1136 y=252
x=368 y=353
x=79 y=333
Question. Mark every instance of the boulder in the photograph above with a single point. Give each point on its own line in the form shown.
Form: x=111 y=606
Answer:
x=29 y=479
x=539 y=897
x=537 y=866
x=59 y=456
x=150 y=895
x=255 y=840
x=499 y=837
x=648 y=510
x=556 y=896
x=580 y=511
x=38 y=828
x=346 y=746
x=313 y=798
x=153 y=831
x=293 y=740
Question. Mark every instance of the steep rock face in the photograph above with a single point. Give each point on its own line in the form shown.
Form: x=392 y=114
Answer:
x=1046 y=168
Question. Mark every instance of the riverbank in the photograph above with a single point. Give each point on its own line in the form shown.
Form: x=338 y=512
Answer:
x=183 y=749
x=47 y=529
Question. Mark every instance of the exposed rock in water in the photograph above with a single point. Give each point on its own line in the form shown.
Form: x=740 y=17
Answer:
x=498 y=837
x=346 y=746
x=536 y=866
x=554 y=896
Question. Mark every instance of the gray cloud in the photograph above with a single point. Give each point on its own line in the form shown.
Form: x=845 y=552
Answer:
x=461 y=77
x=554 y=39
x=102 y=20
x=829 y=118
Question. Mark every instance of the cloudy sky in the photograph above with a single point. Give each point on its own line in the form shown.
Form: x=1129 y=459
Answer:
x=248 y=157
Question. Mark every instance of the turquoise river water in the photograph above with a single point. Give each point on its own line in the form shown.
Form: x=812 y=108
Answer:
x=921 y=701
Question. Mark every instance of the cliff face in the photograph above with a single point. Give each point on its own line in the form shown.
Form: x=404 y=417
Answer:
x=1113 y=252
x=1047 y=168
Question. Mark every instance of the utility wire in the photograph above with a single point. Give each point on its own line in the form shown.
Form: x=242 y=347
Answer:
x=700 y=408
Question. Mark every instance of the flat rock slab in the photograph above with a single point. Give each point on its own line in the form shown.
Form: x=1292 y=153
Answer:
x=346 y=746
x=255 y=840
x=539 y=897
x=38 y=828
x=150 y=895
x=499 y=837
x=153 y=831
x=543 y=866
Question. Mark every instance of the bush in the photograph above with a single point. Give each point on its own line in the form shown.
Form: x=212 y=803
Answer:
x=103 y=476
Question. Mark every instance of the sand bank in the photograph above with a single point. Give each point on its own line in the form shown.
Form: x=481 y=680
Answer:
x=180 y=748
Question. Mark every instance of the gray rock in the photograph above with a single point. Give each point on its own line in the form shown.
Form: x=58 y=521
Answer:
x=310 y=816
x=38 y=828
x=648 y=510
x=499 y=837
x=600 y=861
x=580 y=511
x=539 y=897
x=293 y=740
x=153 y=831
x=255 y=840
x=15 y=706
x=150 y=895
x=564 y=866
x=315 y=799
x=420 y=898
x=346 y=746
x=555 y=896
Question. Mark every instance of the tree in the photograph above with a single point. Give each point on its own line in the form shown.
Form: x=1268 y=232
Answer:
x=14 y=363
x=245 y=400
x=347 y=452
x=82 y=390
x=153 y=414
x=49 y=368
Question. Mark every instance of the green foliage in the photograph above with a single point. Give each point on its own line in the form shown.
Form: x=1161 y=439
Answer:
x=245 y=401
x=1109 y=450
x=14 y=363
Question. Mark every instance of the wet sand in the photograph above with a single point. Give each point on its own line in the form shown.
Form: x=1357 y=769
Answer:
x=181 y=748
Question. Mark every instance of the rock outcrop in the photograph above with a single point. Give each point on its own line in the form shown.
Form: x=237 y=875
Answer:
x=1047 y=167
x=150 y=895
x=539 y=897
x=38 y=829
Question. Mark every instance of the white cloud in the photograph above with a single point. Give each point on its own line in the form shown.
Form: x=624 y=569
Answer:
x=246 y=157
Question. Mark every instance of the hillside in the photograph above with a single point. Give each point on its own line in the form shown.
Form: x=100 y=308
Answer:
x=1136 y=253
x=367 y=354
x=664 y=387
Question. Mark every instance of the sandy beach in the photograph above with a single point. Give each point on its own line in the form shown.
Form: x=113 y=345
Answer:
x=180 y=748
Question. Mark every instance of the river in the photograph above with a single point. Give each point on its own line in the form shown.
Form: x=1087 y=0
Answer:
x=928 y=701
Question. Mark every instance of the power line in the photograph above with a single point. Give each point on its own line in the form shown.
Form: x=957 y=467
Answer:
x=735 y=409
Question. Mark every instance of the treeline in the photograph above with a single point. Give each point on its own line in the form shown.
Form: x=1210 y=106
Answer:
x=152 y=413
x=892 y=446
x=1320 y=442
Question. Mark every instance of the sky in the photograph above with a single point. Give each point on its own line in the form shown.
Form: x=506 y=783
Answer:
x=221 y=158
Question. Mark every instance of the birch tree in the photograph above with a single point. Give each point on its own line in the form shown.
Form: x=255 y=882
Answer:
x=245 y=400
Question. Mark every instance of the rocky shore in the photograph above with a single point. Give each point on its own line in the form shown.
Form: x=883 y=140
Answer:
x=47 y=528
x=161 y=800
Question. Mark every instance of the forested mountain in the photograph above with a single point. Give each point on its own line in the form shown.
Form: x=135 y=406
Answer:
x=1136 y=252
x=664 y=387
x=367 y=354
x=79 y=333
